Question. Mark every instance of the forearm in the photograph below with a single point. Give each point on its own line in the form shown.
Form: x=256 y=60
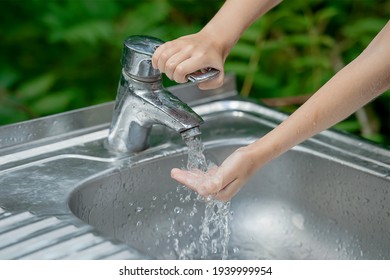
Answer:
x=234 y=17
x=355 y=85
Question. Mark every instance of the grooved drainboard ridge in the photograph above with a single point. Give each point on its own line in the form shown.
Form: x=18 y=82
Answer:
x=24 y=235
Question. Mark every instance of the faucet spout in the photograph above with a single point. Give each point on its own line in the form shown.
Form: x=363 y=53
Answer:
x=141 y=105
x=142 y=101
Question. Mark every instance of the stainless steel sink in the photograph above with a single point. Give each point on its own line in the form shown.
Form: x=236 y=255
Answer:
x=63 y=195
x=306 y=204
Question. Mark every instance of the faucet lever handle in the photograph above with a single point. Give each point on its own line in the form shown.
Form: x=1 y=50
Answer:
x=203 y=75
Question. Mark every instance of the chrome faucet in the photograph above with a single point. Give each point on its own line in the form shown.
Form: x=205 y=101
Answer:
x=142 y=101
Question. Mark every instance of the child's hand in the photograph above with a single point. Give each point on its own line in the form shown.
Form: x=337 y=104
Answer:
x=220 y=182
x=187 y=54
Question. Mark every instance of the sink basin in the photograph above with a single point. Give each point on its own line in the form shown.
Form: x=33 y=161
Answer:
x=64 y=196
x=310 y=203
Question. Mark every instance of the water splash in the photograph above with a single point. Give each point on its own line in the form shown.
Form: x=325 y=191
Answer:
x=215 y=232
x=214 y=238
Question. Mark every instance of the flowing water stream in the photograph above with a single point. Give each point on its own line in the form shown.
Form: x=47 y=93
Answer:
x=214 y=231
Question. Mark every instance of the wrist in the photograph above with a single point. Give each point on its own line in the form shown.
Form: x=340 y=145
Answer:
x=263 y=151
x=226 y=27
x=220 y=40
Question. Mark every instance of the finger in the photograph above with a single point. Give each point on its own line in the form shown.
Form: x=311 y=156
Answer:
x=214 y=83
x=203 y=183
x=186 y=67
x=193 y=64
x=174 y=61
x=156 y=56
x=162 y=54
x=190 y=179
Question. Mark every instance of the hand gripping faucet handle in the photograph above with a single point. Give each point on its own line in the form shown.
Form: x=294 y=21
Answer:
x=201 y=75
x=137 y=60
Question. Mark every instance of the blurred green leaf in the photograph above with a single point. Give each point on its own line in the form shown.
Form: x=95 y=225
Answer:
x=379 y=138
x=326 y=14
x=238 y=68
x=349 y=125
x=90 y=32
x=36 y=87
x=7 y=114
x=144 y=16
x=242 y=50
x=8 y=77
x=55 y=102
x=267 y=82
x=367 y=25
x=310 y=61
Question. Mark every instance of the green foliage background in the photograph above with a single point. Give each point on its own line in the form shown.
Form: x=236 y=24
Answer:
x=58 y=55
